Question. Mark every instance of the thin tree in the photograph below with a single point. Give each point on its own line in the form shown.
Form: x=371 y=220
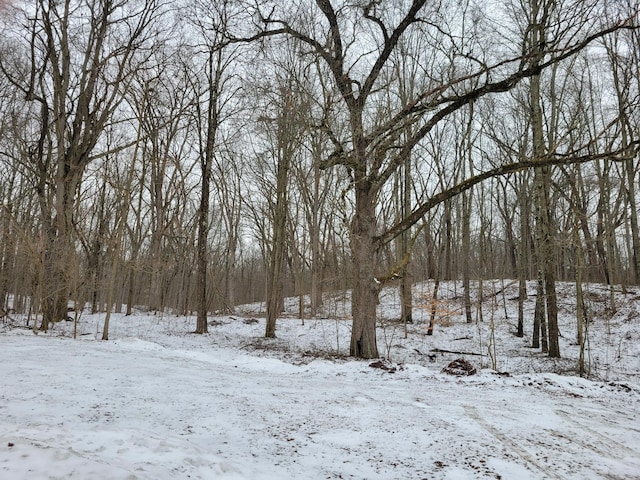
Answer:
x=288 y=126
x=212 y=23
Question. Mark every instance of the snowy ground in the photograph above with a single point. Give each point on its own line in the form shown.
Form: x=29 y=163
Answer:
x=157 y=402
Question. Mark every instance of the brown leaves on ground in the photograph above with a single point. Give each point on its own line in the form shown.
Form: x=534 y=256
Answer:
x=460 y=367
x=383 y=366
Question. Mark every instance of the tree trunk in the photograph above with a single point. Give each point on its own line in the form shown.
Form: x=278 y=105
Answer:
x=365 y=287
x=406 y=278
x=60 y=253
x=316 y=270
x=7 y=247
x=434 y=306
x=278 y=250
x=544 y=215
x=466 y=254
x=202 y=247
x=523 y=255
x=580 y=310
x=54 y=287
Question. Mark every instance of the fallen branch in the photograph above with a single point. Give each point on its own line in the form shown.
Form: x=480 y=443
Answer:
x=495 y=294
x=440 y=350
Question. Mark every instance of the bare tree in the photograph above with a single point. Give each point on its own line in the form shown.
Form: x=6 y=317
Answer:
x=212 y=90
x=287 y=126
x=624 y=61
x=80 y=57
x=374 y=150
x=540 y=17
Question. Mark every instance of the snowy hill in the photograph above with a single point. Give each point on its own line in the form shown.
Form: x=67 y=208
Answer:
x=157 y=402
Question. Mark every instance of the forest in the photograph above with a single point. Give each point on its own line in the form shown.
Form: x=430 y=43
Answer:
x=192 y=156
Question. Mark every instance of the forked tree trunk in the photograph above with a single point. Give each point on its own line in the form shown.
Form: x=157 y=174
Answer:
x=544 y=218
x=54 y=288
x=60 y=253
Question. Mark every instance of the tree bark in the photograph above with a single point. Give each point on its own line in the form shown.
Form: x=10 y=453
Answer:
x=278 y=250
x=523 y=256
x=542 y=180
x=365 y=285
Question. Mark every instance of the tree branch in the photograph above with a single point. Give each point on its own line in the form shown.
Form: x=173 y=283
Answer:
x=389 y=45
x=454 y=103
x=414 y=217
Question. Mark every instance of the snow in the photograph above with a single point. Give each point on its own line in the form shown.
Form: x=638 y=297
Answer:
x=157 y=402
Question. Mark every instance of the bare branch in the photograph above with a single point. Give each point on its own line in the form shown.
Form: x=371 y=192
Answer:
x=369 y=16
x=389 y=45
x=454 y=103
x=620 y=155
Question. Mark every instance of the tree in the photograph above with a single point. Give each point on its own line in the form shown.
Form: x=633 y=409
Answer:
x=624 y=61
x=285 y=129
x=540 y=17
x=355 y=41
x=79 y=60
x=212 y=89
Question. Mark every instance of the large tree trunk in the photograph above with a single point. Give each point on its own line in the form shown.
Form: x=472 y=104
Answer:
x=275 y=287
x=365 y=285
x=55 y=282
x=60 y=252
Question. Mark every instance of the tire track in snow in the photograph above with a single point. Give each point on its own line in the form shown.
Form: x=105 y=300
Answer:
x=617 y=446
x=611 y=454
x=507 y=442
x=582 y=444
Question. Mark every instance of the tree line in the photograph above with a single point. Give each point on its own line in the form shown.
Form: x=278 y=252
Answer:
x=193 y=156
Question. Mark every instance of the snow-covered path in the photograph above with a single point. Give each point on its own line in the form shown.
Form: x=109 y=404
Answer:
x=130 y=409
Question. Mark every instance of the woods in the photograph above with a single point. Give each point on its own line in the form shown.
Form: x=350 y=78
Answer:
x=187 y=158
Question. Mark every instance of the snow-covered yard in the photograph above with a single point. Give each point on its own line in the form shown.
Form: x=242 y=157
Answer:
x=157 y=402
